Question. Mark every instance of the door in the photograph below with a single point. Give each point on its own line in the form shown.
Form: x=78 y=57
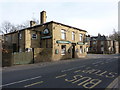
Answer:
x=14 y=47
x=73 y=51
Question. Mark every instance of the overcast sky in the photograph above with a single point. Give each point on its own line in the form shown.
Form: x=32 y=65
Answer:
x=94 y=16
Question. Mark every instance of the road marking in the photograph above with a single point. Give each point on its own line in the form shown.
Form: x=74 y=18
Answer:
x=33 y=84
x=72 y=68
x=61 y=76
x=20 y=81
x=77 y=71
x=114 y=84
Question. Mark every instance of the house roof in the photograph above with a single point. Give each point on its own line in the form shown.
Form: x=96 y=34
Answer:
x=101 y=38
x=93 y=38
x=56 y=23
x=46 y=24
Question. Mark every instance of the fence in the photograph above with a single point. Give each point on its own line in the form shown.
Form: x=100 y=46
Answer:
x=6 y=59
x=9 y=59
x=22 y=58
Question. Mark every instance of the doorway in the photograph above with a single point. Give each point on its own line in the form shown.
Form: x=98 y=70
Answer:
x=73 y=51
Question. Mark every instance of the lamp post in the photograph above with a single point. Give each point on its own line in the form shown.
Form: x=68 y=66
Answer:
x=33 y=55
x=119 y=43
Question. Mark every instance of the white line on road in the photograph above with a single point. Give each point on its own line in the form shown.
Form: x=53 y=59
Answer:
x=20 y=81
x=72 y=68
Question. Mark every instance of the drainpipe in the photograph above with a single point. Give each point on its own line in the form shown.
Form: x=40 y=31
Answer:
x=18 y=41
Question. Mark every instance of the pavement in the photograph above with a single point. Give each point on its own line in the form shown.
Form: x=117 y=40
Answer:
x=94 y=71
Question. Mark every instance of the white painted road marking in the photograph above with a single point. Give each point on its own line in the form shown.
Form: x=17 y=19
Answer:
x=20 y=81
x=72 y=68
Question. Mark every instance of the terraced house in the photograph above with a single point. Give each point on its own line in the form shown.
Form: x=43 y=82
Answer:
x=103 y=45
x=50 y=41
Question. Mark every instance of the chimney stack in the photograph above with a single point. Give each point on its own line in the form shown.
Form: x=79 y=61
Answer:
x=42 y=17
x=32 y=23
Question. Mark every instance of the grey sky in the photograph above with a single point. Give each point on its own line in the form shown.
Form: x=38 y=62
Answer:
x=93 y=16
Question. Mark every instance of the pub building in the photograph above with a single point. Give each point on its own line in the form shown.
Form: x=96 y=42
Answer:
x=50 y=41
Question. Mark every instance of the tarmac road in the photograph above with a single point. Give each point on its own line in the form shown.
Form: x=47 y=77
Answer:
x=95 y=71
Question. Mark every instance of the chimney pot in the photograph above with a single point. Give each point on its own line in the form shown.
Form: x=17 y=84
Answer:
x=32 y=23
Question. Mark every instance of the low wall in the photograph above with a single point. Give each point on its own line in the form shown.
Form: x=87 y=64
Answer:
x=22 y=58
x=42 y=54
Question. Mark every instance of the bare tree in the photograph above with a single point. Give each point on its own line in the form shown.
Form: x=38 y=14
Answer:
x=115 y=35
x=7 y=27
x=26 y=24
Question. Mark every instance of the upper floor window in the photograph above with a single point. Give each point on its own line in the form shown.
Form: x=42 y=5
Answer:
x=6 y=38
x=20 y=36
x=94 y=42
x=108 y=43
x=73 y=35
x=102 y=42
x=81 y=37
x=34 y=36
x=63 y=34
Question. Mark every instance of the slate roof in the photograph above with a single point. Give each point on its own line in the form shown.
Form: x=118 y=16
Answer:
x=101 y=38
x=47 y=24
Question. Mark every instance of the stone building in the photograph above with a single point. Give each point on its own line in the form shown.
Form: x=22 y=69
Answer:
x=102 y=44
x=50 y=41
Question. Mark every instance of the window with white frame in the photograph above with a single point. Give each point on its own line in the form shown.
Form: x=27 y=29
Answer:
x=86 y=49
x=20 y=35
x=6 y=38
x=102 y=42
x=81 y=37
x=102 y=48
x=73 y=35
x=81 y=49
x=63 y=34
x=34 y=36
x=63 y=49
x=108 y=42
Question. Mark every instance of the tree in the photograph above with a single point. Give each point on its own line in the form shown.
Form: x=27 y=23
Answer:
x=115 y=35
x=7 y=27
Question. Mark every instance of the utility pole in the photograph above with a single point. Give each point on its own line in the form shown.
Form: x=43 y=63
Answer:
x=33 y=55
x=119 y=43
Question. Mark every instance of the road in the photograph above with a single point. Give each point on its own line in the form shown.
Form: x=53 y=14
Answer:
x=95 y=71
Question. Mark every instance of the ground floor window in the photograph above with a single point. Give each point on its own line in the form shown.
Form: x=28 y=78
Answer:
x=102 y=49
x=86 y=49
x=63 y=49
x=81 y=49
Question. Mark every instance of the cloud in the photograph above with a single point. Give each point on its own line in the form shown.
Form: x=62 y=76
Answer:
x=94 y=26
